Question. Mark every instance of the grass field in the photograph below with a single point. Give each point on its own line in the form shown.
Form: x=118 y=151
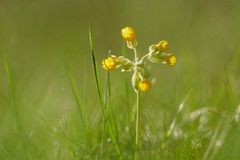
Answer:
x=54 y=92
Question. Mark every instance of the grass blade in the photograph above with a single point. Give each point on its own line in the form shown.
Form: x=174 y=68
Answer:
x=97 y=80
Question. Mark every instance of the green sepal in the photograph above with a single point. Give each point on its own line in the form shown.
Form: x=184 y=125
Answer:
x=144 y=73
x=127 y=67
x=158 y=58
x=132 y=45
x=126 y=64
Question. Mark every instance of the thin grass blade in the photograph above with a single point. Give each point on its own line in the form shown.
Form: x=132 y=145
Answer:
x=100 y=97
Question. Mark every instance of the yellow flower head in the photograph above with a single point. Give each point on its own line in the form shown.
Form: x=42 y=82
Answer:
x=171 y=59
x=144 y=85
x=109 y=63
x=128 y=34
x=162 y=45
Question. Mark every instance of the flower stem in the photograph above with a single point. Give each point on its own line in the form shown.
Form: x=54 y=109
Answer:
x=137 y=125
x=135 y=54
x=137 y=108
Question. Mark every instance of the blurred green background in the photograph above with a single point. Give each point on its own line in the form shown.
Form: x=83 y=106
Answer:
x=40 y=37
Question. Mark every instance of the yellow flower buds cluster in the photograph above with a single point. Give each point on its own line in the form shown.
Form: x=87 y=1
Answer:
x=170 y=59
x=140 y=77
x=158 y=54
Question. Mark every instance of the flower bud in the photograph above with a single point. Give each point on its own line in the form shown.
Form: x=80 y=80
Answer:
x=128 y=34
x=109 y=63
x=170 y=59
x=144 y=85
x=162 y=45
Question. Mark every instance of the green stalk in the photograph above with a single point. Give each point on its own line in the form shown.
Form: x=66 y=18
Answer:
x=108 y=104
x=103 y=138
x=137 y=119
x=104 y=123
x=137 y=142
x=137 y=134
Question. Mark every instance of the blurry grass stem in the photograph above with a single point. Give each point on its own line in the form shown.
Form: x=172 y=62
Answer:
x=15 y=112
x=79 y=105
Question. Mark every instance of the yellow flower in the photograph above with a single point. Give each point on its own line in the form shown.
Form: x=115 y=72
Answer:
x=162 y=45
x=109 y=63
x=128 y=34
x=170 y=59
x=144 y=85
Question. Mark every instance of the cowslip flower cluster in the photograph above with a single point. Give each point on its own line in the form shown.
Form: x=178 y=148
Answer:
x=157 y=54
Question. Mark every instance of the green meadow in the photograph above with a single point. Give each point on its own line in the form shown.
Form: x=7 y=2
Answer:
x=58 y=103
